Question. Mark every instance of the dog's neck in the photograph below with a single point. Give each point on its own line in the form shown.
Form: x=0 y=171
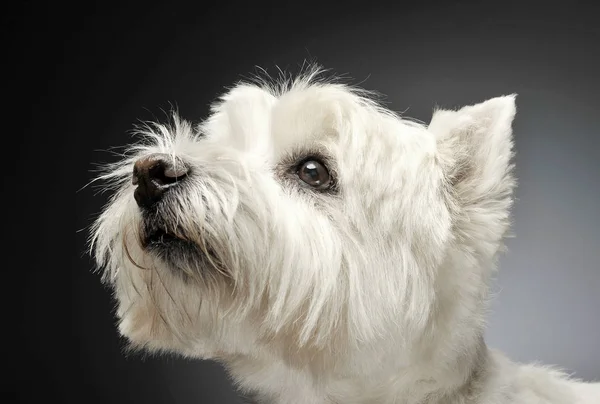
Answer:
x=460 y=383
x=474 y=372
x=429 y=384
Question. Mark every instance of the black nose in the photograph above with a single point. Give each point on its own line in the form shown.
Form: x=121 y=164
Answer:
x=153 y=175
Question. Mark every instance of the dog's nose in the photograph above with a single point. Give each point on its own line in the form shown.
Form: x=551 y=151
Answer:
x=153 y=175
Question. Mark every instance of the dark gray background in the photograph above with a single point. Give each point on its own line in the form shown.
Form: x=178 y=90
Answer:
x=85 y=76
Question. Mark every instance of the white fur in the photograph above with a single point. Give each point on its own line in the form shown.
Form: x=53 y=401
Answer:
x=376 y=294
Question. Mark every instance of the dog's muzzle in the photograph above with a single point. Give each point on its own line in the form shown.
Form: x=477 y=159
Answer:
x=154 y=175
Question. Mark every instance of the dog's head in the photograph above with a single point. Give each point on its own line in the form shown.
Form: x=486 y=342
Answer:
x=306 y=221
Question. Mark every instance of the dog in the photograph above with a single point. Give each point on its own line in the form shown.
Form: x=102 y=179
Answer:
x=321 y=247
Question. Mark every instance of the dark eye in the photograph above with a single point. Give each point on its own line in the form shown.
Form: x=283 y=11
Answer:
x=314 y=173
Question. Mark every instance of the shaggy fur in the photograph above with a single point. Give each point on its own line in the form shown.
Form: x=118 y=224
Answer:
x=373 y=290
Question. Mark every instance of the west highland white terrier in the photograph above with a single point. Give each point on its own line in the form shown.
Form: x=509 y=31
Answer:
x=322 y=248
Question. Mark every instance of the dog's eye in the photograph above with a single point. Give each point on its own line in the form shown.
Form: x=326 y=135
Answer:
x=314 y=173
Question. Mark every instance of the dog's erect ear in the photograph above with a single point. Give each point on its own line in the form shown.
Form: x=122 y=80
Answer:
x=475 y=148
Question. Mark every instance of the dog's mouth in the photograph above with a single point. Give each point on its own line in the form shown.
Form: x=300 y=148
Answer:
x=161 y=240
x=176 y=248
x=161 y=237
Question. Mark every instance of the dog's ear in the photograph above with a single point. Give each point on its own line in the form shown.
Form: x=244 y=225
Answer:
x=475 y=148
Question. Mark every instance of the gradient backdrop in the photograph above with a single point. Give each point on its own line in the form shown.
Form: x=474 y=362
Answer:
x=113 y=65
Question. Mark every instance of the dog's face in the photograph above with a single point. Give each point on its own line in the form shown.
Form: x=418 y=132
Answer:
x=307 y=222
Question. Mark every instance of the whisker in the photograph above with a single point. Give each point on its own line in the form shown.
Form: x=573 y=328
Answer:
x=127 y=253
x=170 y=295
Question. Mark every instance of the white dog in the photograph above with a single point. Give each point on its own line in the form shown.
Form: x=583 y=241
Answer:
x=324 y=249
